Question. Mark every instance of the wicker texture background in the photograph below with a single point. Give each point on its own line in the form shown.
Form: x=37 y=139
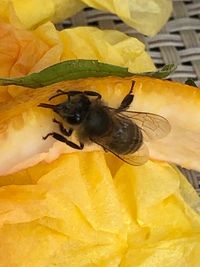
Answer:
x=178 y=42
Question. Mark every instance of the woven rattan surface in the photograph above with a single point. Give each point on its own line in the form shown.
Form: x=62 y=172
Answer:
x=178 y=42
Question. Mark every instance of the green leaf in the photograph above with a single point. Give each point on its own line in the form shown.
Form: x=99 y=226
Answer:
x=67 y=70
x=190 y=82
x=162 y=73
x=78 y=69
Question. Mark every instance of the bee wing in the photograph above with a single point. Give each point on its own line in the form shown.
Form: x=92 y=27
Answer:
x=137 y=158
x=153 y=126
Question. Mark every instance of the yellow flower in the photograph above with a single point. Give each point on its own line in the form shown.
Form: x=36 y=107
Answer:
x=89 y=208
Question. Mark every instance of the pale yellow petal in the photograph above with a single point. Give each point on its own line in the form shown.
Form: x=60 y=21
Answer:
x=169 y=253
x=146 y=16
x=107 y=46
x=65 y=9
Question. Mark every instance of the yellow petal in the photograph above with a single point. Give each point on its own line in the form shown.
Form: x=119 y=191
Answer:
x=32 y=13
x=65 y=9
x=152 y=197
x=82 y=216
x=24 y=51
x=78 y=216
x=106 y=46
x=178 y=252
x=146 y=16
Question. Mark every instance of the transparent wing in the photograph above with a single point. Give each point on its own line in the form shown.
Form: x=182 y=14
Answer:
x=137 y=158
x=152 y=125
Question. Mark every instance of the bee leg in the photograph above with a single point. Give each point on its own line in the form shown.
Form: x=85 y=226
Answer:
x=128 y=99
x=73 y=93
x=132 y=86
x=105 y=150
x=69 y=93
x=62 y=128
x=92 y=93
x=59 y=92
x=61 y=138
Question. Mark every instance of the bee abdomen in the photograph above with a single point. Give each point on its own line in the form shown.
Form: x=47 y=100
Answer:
x=137 y=140
x=125 y=139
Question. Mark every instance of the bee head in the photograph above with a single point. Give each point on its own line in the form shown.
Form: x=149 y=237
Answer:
x=73 y=110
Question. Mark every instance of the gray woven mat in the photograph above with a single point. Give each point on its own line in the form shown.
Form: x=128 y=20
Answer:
x=178 y=42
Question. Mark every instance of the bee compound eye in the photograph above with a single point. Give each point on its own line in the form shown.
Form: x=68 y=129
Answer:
x=74 y=119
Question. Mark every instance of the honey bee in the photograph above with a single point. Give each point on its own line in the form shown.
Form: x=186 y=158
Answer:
x=117 y=130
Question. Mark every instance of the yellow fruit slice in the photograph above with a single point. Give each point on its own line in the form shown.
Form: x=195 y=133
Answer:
x=21 y=119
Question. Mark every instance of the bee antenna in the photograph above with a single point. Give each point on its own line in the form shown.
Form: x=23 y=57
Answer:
x=44 y=105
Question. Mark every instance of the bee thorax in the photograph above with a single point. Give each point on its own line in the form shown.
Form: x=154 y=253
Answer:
x=98 y=122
